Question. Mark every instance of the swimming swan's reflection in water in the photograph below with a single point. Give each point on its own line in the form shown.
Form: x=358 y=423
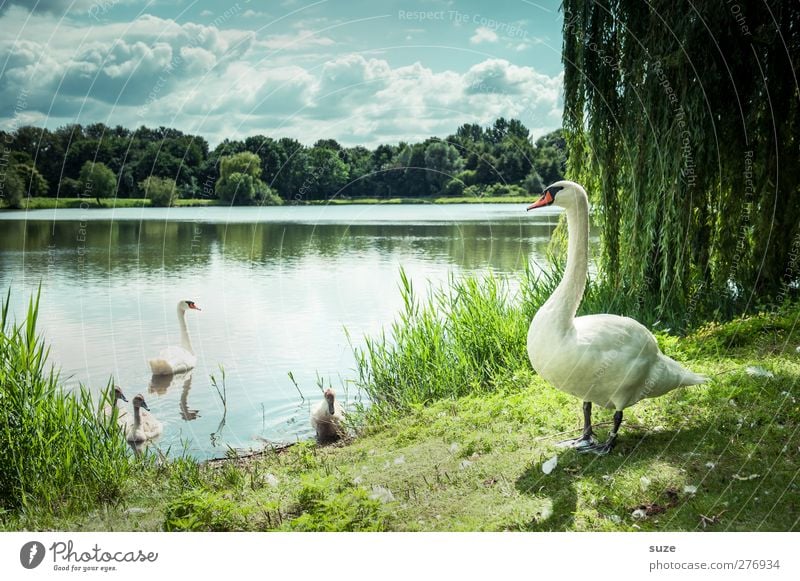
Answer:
x=161 y=384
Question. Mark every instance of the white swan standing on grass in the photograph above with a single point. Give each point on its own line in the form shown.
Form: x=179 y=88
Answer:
x=177 y=359
x=608 y=360
x=327 y=417
x=144 y=426
x=109 y=408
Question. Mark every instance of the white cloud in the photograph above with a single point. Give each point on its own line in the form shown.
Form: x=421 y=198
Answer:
x=301 y=40
x=483 y=34
x=226 y=83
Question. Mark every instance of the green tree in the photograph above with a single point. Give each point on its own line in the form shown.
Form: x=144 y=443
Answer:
x=385 y=178
x=442 y=162
x=412 y=159
x=12 y=190
x=236 y=188
x=290 y=175
x=160 y=191
x=693 y=167
x=359 y=163
x=245 y=163
x=326 y=173
x=32 y=180
x=239 y=180
x=97 y=180
x=533 y=183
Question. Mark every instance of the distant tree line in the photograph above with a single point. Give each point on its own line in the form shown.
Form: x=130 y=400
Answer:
x=97 y=161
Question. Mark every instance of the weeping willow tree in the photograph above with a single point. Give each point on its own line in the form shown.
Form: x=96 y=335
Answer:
x=682 y=120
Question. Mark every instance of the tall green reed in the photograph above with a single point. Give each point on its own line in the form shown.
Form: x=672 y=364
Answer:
x=57 y=453
x=455 y=342
x=465 y=336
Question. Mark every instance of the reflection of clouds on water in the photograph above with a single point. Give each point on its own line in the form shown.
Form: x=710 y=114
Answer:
x=276 y=297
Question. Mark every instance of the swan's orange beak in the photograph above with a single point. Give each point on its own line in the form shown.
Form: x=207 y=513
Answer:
x=545 y=200
x=195 y=307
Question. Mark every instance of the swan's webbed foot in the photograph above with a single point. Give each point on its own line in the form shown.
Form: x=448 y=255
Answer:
x=587 y=438
x=606 y=447
x=600 y=449
x=579 y=443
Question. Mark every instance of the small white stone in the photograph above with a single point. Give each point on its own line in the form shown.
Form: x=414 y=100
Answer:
x=546 y=512
x=615 y=518
x=465 y=464
x=756 y=371
x=271 y=479
x=639 y=513
x=136 y=510
x=644 y=483
x=454 y=447
x=690 y=489
x=710 y=465
x=382 y=494
x=550 y=465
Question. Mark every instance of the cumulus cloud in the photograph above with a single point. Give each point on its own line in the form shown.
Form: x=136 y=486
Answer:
x=225 y=83
x=300 y=40
x=483 y=34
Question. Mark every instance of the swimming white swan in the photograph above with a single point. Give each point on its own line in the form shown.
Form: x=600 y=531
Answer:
x=327 y=417
x=608 y=360
x=108 y=410
x=177 y=359
x=144 y=426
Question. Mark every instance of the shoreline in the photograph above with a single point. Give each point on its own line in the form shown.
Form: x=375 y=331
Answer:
x=42 y=203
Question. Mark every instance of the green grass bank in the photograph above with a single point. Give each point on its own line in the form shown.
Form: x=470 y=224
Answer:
x=466 y=452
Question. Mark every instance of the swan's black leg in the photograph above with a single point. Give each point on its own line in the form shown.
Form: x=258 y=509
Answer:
x=608 y=445
x=587 y=438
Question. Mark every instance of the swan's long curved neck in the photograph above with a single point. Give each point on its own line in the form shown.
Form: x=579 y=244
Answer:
x=137 y=418
x=565 y=300
x=186 y=343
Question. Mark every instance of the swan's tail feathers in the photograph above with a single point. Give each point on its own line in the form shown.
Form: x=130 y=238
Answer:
x=159 y=366
x=692 y=378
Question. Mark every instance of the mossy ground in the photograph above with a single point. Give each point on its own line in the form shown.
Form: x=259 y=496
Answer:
x=719 y=457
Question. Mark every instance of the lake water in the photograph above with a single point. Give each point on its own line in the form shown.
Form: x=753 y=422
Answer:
x=277 y=286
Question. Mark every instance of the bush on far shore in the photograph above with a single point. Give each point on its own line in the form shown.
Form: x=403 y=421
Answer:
x=160 y=191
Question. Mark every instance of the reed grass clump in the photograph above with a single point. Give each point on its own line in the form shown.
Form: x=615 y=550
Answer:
x=56 y=453
x=456 y=342
x=466 y=337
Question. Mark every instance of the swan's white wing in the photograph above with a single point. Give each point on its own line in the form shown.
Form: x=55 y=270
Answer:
x=172 y=360
x=610 y=358
x=621 y=362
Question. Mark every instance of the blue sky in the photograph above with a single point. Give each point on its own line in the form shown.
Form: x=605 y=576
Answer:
x=360 y=72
